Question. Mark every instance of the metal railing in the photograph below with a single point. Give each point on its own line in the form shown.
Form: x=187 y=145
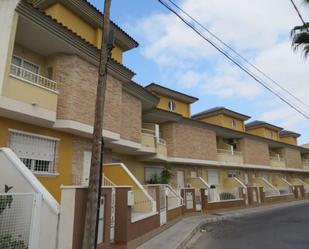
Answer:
x=215 y=195
x=16 y=220
x=142 y=203
x=107 y=182
x=148 y=132
x=28 y=76
x=306 y=162
x=276 y=158
x=174 y=200
x=271 y=192
x=229 y=152
x=161 y=141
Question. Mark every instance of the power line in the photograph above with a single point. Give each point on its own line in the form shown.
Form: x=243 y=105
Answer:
x=238 y=54
x=299 y=14
x=252 y=75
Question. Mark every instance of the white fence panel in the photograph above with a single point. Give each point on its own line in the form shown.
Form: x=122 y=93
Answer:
x=16 y=215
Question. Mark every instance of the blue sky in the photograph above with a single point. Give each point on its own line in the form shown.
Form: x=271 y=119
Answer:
x=172 y=55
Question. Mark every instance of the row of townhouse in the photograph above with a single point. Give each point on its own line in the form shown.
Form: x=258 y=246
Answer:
x=49 y=60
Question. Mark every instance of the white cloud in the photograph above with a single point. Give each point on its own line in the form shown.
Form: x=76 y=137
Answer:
x=258 y=29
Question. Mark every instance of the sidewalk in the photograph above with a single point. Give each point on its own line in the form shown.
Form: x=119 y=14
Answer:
x=178 y=235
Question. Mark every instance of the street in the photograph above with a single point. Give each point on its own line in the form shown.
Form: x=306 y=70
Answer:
x=285 y=228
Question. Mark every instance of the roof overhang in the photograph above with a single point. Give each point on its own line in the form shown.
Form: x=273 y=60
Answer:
x=161 y=90
x=160 y=116
x=253 y=126
x=224 y=111
x=55 y=38
x=285 y=133
x=93 y=16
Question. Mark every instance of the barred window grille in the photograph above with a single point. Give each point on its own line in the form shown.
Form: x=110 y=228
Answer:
x=36 y=152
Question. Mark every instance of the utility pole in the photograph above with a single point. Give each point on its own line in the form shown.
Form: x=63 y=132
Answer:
x=89 y=240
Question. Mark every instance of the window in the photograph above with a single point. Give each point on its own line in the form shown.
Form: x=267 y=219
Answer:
x=233 y=123
x=193 y=174
x=171 y=105
x=50 y=73
x=152 y=172
x=271 y=134
x=31 y=70
x=213 y=177
x=232 y=173
x=36 y=152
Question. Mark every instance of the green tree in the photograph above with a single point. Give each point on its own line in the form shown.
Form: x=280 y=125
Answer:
x=300 y=36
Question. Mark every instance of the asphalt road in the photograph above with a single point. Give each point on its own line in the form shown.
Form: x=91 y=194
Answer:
x=284 y=228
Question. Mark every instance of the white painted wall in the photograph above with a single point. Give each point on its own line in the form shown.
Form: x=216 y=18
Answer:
x=8 y=20
x=66 y=223
x=15 y=173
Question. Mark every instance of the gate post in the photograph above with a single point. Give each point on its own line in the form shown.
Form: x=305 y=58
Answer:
x=35 y=221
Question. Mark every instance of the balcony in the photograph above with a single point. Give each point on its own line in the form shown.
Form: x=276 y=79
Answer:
x=276 y=161
x=306 y=163
x=229 y=156
x=32 y=78
x=150 y=140
x=29 y=88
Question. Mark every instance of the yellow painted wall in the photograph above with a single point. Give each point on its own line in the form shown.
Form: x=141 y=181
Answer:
x=91 y=34
x=289 y=140
x=264 y=132
x=136 y=168
x=118 y=175
x=258 y=132
x=217 y=120
x=29 y=93
x=64 y=160
x=225 y=121
x=181 y=107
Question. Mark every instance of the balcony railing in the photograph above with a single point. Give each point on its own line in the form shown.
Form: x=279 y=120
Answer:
x=148 y=132
x=276 y=158
x=30 y=77
x=229 y=152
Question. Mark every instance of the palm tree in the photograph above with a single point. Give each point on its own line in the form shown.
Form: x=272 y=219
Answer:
x=300 y=36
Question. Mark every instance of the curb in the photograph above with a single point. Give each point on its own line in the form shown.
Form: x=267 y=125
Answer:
x=244 y=212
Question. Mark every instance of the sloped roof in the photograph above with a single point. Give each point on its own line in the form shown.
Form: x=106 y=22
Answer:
x=153 y=87
x=220 y=110
x=94 y=16
x=257 y=124
x=286 y=133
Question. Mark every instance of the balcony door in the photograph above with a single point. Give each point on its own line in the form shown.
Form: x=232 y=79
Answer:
x=213 y=177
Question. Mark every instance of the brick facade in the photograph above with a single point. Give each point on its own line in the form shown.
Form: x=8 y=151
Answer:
x=77 y=92
x=188 y=141
x=292 y=158
x=131 y=124
x=254 y=151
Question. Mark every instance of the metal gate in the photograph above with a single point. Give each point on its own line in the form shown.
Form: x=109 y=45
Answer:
x=101 y=221
x=113 y=203
x=19 y=219
x=163 y=212
x=198 y=200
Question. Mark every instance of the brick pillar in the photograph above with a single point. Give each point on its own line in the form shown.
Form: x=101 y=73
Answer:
x=122 y=216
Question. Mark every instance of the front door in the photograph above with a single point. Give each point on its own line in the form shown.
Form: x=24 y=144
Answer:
x=246 y=179
x=86 y=168
x=180 y=179
x=163 y=213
